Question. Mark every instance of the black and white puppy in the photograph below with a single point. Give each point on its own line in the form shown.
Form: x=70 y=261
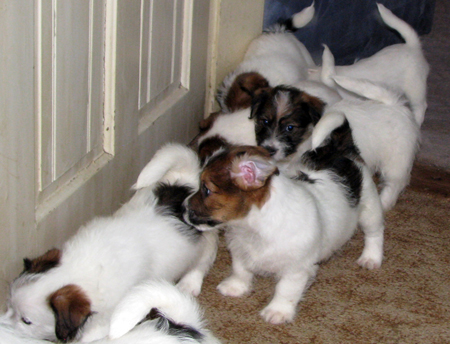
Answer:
x=285 y=226
x=71 y=293
x=275 y=57
x=383 y=128
x=176 y=318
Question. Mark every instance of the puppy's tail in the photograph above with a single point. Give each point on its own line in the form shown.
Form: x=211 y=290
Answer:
x=297 y=21
x=178 y=310
x=369 y=90
x=404 y=29
x=329 y=122
x=171 y=163
x=328 y=67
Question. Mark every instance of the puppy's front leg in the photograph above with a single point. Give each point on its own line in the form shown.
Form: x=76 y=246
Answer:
x=239 y=283
x=288 y=292
x=191 y=283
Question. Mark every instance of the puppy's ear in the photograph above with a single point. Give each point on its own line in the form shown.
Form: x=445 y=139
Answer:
x=210 y=145
x=250 y=172
x=72 y=308
x=259 y=101
x=243 y=90
x=43 y=263
x=206 y=124
x=314 y=106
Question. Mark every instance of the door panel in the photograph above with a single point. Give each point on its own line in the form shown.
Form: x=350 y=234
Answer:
x=94 y=88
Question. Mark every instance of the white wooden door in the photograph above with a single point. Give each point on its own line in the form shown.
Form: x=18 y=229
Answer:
x=89 y=90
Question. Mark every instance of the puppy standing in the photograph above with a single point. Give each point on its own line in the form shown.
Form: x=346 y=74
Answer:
x=400 y=66
x=282 y=226
x=71 y=293
x=179 y=319
x=383 y=128
x=275 y=57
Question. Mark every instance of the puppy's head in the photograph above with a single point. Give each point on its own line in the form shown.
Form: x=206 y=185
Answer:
x=241 y=92
x=232 y=182
x=284 y=117
x=39 y=307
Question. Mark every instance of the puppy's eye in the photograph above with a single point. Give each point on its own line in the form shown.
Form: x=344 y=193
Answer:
x=265 y=121
x=26 y=321
x=206 y=192
x=289 y=128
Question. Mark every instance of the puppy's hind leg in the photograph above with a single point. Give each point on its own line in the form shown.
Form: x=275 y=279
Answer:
x=192 y=281
x=371 y=220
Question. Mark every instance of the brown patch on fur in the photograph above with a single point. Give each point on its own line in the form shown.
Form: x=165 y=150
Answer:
x=72 y=308
x=243 y=89
x=211 y=145
x=222 y=197
x=314 y=102
x=47 y=261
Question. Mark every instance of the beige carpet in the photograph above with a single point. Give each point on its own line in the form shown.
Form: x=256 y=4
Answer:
x=406 y=301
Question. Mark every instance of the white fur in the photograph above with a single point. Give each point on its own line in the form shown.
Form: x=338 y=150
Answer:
x=300 y=225
x=400 y=66
x=278 y=56
x=109 y=255
x=236 y=128
x=385 y=132
x=170 y=302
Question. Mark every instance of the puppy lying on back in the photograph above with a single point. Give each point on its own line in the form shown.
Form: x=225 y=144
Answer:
x=400 y=66
x=176 y=318
x=275 y=57
x=383 y=128
x=285 y=226
x=71 y=293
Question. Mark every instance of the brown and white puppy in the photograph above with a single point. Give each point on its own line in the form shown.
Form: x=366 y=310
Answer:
x=275 y=57
x=285 y=226
x=70 y=293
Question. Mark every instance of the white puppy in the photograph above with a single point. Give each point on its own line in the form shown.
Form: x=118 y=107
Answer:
x=70 y=293
x=178 y=319
x=275 y=57
x=400 y=66
x=284 y=226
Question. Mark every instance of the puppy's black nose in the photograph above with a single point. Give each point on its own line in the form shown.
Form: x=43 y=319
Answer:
x=272 y=150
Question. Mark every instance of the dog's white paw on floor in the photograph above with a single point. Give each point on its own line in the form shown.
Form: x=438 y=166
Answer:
x=233 y=286
x=278 y=313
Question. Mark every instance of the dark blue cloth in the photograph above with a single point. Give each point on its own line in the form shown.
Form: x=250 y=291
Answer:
x=352 y=29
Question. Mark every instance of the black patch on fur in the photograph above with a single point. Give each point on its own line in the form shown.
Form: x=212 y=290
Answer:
x=170 y=200
x=302 y=176
x=172 y=328
x=339 y=155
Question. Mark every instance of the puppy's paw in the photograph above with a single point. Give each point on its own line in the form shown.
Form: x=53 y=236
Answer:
x=233 y=286
x=278 y=314
x=191 y=284
x=369 y=262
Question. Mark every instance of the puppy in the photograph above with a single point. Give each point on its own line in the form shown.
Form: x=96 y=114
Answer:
x=401 y=66
x=383 y=127
x=71 y=293
x=273 y=58
x=285 y=226
x=178 y=319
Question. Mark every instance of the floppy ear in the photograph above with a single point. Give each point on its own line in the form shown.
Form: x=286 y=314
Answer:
x=243 y=89
x=258 y=101
x=250 y=172
x=72 y=308
x=48 y=260
x=314 y=107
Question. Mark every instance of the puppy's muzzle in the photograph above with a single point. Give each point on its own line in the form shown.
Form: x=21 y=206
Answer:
x=272 y=150
x=200 y=222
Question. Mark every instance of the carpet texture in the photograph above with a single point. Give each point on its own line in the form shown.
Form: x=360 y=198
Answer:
x=406 y=301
